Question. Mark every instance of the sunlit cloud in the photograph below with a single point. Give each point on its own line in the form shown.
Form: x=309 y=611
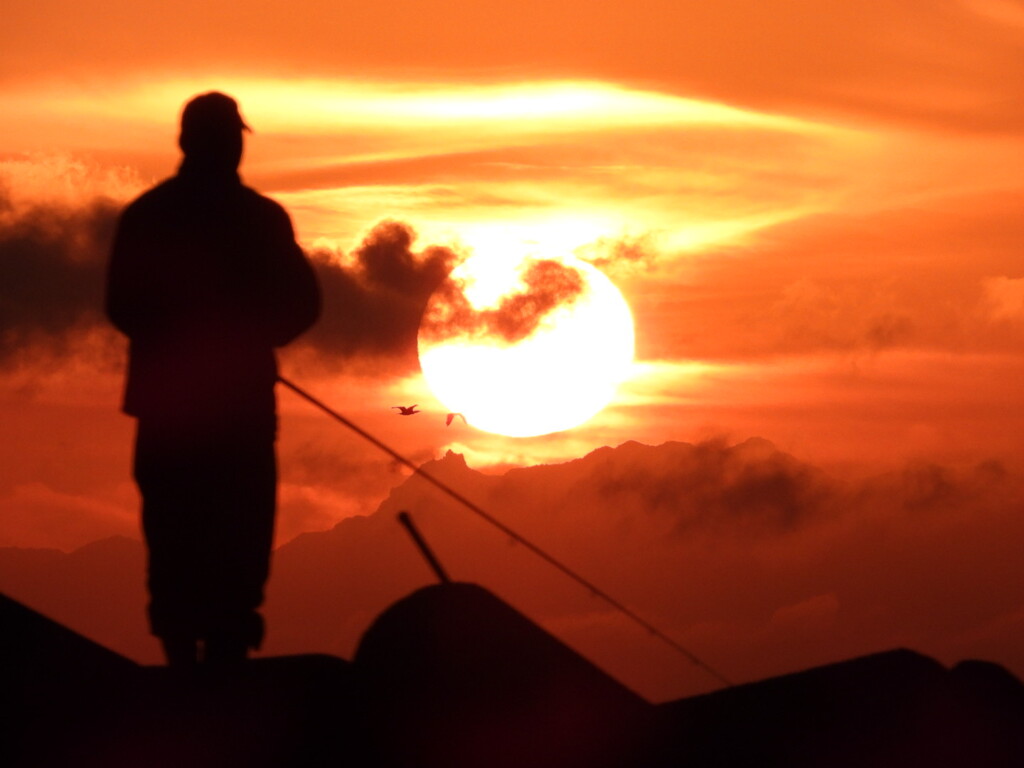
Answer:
x=1004 y=12
x=303 y=106
x=548 y=166
x=34 y=179
x=666 y=382
x=1005 y=297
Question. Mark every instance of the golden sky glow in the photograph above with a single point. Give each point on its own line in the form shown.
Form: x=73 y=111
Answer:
x=813 y=211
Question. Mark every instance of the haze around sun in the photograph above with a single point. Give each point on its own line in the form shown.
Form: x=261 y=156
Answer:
x=525 y=346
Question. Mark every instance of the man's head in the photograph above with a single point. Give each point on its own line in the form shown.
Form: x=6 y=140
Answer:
x=211 y=130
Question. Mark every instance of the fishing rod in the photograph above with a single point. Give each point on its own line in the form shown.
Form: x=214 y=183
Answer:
x=477 y=510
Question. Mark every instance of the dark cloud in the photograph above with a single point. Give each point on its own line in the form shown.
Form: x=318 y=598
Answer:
x=609 y=253
x=747 y=487
x=52 y=265
x=547 y=284
x=373 y=301
x=753 y=488
x=927 y=489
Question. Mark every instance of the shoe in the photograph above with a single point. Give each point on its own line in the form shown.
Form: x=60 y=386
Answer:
x=223 y=650
x=181 y=652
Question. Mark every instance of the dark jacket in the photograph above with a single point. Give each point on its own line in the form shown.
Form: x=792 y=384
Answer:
x=205 y=279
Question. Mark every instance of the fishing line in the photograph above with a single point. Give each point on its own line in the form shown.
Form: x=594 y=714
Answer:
x=477 y=510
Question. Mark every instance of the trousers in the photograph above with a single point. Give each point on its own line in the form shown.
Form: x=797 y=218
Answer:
x=208 y=507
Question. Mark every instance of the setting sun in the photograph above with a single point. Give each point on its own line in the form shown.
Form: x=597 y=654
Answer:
x=523 y=368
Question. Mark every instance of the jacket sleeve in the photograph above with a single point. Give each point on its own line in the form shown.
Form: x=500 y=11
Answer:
x=126 y=304
x=294 y=300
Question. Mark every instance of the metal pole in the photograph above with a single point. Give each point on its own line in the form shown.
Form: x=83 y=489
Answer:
x=406 y=519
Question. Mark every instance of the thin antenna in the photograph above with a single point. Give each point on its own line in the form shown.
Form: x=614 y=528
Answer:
x=509 y=532
x=428 y=554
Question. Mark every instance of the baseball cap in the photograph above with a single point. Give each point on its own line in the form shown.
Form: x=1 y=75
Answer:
x=211 y=113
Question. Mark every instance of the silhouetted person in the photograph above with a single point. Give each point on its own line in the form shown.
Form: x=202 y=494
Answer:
x=205 y=279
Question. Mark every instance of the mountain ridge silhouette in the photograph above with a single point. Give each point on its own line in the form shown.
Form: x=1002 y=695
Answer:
x=664 y=528
x=366 y=666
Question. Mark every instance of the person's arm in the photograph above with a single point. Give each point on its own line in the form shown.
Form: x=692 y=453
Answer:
x=124 y=274
x=295 y=293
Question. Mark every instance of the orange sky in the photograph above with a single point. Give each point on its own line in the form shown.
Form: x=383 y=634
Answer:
x=813 y=209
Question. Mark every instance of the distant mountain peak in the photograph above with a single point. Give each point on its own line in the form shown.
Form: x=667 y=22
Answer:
x=451 y=464
x=452 y=458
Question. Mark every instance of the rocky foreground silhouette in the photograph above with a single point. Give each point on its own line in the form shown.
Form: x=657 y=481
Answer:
x=453 y=676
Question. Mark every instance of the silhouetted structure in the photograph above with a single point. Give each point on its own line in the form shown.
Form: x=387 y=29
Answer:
x=452 y=676
x=206 y=279
x=70 y=702
x=891 y=709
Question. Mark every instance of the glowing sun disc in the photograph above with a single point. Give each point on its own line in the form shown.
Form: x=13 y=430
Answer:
x=555 y=378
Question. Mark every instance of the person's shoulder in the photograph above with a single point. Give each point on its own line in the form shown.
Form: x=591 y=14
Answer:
x=257 y=199
x=154 y=198
x=267 y=208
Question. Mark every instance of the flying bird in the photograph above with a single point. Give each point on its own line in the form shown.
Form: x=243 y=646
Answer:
x=451 y=416
x=406 y=410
